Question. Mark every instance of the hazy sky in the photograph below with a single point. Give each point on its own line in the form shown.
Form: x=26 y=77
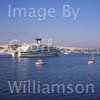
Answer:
x=83 y=32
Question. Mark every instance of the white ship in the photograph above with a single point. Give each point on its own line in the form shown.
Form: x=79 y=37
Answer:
x=38 y=50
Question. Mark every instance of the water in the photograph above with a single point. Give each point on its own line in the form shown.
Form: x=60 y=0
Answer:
x=65 y=69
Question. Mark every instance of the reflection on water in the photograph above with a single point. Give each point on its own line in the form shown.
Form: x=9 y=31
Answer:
x=39 y=68
x=92 y=68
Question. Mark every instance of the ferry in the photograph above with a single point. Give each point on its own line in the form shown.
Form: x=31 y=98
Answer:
x=37 y=50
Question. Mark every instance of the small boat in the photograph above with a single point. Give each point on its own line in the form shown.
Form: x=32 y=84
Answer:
x=92 y=60
x=66 y=53
x=39 y=62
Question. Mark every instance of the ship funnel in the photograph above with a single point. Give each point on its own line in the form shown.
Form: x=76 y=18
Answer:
x=39 y=41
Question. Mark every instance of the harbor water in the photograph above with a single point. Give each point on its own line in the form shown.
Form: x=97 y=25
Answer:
x=64 y=69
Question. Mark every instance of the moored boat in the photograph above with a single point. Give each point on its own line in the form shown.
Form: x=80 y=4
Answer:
x=39 y=62
x=92 y=60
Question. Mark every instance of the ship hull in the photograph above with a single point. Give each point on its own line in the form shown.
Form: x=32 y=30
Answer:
x=37 y=55
x=34 y=54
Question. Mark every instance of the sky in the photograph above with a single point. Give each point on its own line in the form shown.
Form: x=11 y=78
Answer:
x=82 y=32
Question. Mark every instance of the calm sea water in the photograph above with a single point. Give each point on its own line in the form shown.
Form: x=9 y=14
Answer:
x=64 y=69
